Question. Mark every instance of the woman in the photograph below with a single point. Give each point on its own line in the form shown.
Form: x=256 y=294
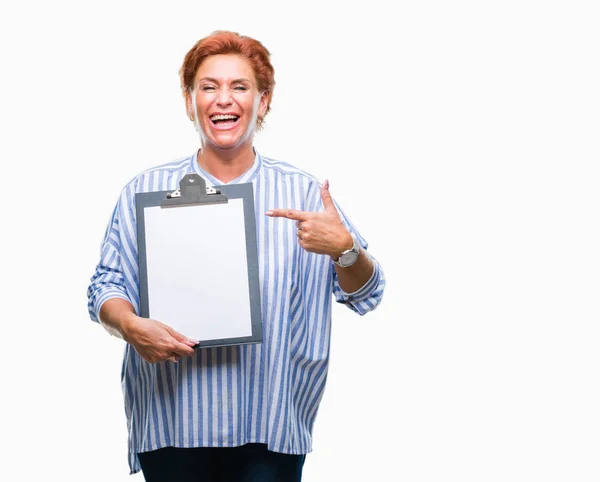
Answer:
x=242 y=412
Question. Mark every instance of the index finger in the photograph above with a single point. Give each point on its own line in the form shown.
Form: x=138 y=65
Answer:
x=288 y=213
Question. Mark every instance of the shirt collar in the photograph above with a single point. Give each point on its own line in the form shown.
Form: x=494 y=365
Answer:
x=247 y=176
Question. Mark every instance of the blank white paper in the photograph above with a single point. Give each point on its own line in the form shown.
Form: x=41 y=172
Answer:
x=197 y=269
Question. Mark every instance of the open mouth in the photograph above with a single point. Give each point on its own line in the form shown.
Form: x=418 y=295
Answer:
x=224 y=119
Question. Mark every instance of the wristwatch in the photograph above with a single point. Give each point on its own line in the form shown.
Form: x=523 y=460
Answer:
x=349 y=257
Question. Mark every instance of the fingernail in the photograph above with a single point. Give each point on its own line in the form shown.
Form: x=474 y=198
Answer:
x=194 y=342
x=269 y=213
x=327 y=184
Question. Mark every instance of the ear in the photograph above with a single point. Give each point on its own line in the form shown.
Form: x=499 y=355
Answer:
x=265 y=100
x=189 y=107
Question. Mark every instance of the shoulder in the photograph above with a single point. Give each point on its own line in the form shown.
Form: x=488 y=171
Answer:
x=292 y=187
x=160 y=177
x=287 y=171
x=182 y=163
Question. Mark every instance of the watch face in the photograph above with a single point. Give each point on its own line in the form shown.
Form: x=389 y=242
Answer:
x=347 y=259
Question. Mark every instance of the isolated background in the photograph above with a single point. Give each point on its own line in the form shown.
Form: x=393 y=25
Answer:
x=460 y=137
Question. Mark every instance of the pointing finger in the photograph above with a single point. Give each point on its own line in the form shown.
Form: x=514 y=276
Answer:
x=288 y=213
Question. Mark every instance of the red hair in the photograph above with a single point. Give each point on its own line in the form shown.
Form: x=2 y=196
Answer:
x=223 y=42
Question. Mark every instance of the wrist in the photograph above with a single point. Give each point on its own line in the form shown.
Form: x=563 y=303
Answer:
x=129 y=325
x=349 y=256
x=346 y=243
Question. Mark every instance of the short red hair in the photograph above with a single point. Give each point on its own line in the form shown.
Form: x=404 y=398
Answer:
x=223 y=42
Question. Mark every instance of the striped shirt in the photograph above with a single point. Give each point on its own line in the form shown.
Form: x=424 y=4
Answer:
x=228 y=396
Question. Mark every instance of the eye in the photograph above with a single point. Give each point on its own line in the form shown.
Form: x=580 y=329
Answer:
x=240 y=88
x=208 y=88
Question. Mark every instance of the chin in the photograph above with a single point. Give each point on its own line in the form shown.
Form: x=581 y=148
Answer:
x=223 y=142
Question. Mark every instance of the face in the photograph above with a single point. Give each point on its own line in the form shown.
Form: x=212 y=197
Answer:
x=225 y=102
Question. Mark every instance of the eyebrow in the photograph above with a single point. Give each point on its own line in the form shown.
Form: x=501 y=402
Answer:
x=211 y=79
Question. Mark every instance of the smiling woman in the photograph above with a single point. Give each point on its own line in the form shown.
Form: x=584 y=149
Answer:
x=245 y=412
x=225 y=104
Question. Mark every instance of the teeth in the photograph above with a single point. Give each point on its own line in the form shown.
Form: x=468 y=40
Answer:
x=223 y=117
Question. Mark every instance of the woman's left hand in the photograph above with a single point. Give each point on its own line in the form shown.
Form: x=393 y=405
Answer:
x=319 y=232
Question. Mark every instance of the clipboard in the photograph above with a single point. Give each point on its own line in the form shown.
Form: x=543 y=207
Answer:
x=198 y=261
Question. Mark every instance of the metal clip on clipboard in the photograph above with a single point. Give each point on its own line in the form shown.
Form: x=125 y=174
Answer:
x=193 y=190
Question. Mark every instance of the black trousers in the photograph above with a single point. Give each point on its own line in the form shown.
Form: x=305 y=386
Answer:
x=248 y=463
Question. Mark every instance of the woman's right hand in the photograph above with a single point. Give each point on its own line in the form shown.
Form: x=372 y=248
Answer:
x=155 y=342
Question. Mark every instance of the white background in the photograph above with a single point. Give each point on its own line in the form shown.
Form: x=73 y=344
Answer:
x=460 y=137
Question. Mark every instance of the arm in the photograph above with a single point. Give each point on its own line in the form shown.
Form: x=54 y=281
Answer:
x=154 y=341
x=360 y=286
x=353 y=277
x=113 y=291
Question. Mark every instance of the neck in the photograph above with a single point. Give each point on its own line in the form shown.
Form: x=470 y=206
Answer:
x=226 y=164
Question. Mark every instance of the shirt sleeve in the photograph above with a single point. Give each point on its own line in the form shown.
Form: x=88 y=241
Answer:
x=115 y=275
x=368 y=297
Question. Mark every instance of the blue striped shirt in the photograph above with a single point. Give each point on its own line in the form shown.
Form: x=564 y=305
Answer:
x=229 y=396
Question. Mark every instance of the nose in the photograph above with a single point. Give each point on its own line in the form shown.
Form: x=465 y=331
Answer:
x=224 y=97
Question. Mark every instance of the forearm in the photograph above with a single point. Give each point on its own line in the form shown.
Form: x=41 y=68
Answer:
x=354 y=277
x=153 y=340
x=117 y=316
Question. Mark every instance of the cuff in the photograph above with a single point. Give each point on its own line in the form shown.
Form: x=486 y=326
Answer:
x=365 y=291
x=96 y=304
